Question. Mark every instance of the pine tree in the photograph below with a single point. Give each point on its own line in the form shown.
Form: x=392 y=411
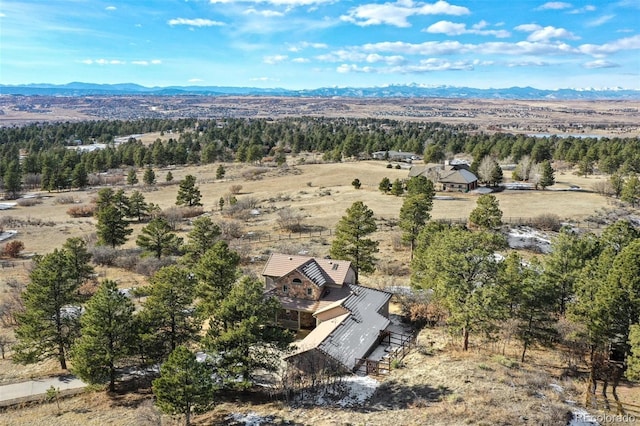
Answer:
x=547 y=175
x=149 y=176
x=79 y=177
x=420 y=185
x=49 y=322
x=396 y=188
x=78 y=258
x=107 y=335
x=220 y=172
x=167 y=318
x=631 y=191
x=158 y=238
x=138 y=207
x=169 y=177
x=242 y=333
x=203 y=236
x=356 y=183
x=351 y=242
x=12 y=180
x=414 y=214
x=496 y=175
x=633 y=360
x=461 y=268
x=184 y=385
x=487 y=214
x=188 y=193
x=216 y=270
x=113 y=229
x=132 y=177
x=385 y=185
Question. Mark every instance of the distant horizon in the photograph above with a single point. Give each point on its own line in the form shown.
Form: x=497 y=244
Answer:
x=309 y=44
x=416 y=85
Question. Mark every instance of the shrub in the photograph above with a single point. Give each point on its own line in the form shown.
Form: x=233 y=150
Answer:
x=103 y=255
x=235 y=189
x=547 y=222
x=28 y=202
x=13 y=248
x=85 y=210
x=193 y=211
x=289 y=219
x=149 y=265
x=389 y=166
x=64 y=199
x=398 y=166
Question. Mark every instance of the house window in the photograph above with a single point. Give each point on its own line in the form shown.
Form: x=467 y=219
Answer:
x=297 y=281
x=285 y=288
x=309 y=292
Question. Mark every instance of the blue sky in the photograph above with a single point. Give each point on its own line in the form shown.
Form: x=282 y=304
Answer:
x=298 y=44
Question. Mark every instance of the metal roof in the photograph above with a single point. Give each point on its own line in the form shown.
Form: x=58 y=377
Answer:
x=280 y=264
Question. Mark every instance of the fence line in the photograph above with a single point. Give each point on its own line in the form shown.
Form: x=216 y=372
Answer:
x=385 y=227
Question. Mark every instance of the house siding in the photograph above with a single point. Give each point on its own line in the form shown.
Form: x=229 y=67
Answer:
x=298 y=291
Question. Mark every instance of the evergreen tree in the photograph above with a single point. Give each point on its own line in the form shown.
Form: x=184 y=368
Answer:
x=138 y=207
x=631 y=191
x=12 y=180
x=420 y=185
x=414 y=214
x=167 y=318
x=169 y=177
x=462 y=270
x=78 y=258
x=132 y=177
x=396 y=188
x=49 y=323
x=184 y=385
x=107 y=336
x=220 y=172
x=385 y=185
x=203 y=236
x=188 y=193
x=216 y=270
x=547 y=175
x=617 y=184
x=487 y=214
x=496 y=175
x=113 y=229
x=633 y=360
x=149 y=176
x=79 y=177
x=535 y=303
x=242 y=333
x=356 y=183
x=351 y=242
x=158 y=238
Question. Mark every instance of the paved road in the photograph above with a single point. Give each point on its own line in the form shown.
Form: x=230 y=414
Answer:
x=34 y=389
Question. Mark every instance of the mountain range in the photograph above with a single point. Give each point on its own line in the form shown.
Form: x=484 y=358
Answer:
x=392 y=91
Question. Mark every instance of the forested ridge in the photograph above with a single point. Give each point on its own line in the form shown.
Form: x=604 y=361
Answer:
x=49 y=164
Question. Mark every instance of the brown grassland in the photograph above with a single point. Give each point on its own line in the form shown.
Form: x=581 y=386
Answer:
x=437 y=384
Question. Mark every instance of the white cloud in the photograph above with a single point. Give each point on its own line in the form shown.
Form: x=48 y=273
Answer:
x=539 y=33
x=628 y=43
x=555 y=5
x=345 y=68
x=195 y=80
x=389 y=60
x=2 y=15
x=198 y=22
x=103 y=62
x=289 y=3
x=145 y=63
x=110 y=8
x=300 y=60
x=263 y=79
x=274 y=59
x=514 y=64
x=263 y=13
x=600 y=21
x=585 y=9
x=452 y=29
x=600 y=63
x=396 y=14
x=305 y=44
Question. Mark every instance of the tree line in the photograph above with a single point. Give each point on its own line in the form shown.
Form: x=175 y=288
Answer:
x=39 y=155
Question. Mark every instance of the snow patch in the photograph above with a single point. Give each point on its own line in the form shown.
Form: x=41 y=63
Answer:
x=349 y=392
x=526 y=238
x=7 y=234
x=251 y=419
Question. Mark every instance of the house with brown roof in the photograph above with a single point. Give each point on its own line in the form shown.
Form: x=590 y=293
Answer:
x=447 y=177
x=347 y=321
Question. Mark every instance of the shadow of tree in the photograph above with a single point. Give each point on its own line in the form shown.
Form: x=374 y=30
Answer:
x=393 y=394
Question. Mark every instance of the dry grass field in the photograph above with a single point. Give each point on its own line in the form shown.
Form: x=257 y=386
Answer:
x=436 y=386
